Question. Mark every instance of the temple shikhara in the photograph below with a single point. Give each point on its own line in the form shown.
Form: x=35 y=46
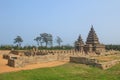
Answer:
x=92 y=43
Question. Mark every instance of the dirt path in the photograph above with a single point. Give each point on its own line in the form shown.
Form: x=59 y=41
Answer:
x=5 y=68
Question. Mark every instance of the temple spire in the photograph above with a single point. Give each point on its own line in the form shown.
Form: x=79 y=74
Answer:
x=92 y=37
x=79 y=44
x=92 y=28
x=79 y=41
x=79 y=38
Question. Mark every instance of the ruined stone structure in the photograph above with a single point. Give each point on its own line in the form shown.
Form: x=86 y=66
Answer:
x=92 y=43
x=79 y=45
x=92 y=47
x=97 y=61
x=23 y=58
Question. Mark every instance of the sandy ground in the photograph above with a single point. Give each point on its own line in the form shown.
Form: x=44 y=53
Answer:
x=5 y=68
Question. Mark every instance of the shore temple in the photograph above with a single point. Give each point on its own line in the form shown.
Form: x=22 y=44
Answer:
x=92 y=43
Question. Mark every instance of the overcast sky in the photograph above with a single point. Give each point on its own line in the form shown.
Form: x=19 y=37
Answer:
x=64 y=18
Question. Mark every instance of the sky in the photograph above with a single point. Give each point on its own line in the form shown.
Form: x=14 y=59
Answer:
x=64 y=18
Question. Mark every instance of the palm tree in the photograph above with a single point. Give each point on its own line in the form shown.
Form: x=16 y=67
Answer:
x=18 y=40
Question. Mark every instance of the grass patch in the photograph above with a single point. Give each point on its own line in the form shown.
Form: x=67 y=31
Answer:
x=70 y=71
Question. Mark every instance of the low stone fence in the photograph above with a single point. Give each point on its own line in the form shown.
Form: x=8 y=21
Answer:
x=94 y=62
x=25 y=60
x=22 y=58
x=21 y=61
x=83 y=60
x=108 y=64
x=55 y=51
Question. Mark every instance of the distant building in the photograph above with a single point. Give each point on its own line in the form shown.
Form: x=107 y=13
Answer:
x=92 y=43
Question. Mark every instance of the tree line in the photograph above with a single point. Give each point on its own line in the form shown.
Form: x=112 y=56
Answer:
x=112 y=47
x=29 y=47
x=9 y=47
x=43 y=40
x=47 y=39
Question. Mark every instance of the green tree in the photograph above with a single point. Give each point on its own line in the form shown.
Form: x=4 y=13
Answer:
x=50 y=40
x=47 y=38
x=38 y=40
x=59 y=40
x=18 y=40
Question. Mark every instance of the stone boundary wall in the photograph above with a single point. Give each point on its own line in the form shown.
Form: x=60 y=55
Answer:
x=83 y=60
x=25 y=60
x=41 y=56
x=108 y=64
x=94 y=62
x=54 y=52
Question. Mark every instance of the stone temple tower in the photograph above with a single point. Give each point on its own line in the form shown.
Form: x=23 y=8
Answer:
x=92 y=37
x=92 y=43
x=79 y=44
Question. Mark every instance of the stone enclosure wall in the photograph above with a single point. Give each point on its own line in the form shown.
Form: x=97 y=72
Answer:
x=26 y=58
x=94 y=62
x=23 y=58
